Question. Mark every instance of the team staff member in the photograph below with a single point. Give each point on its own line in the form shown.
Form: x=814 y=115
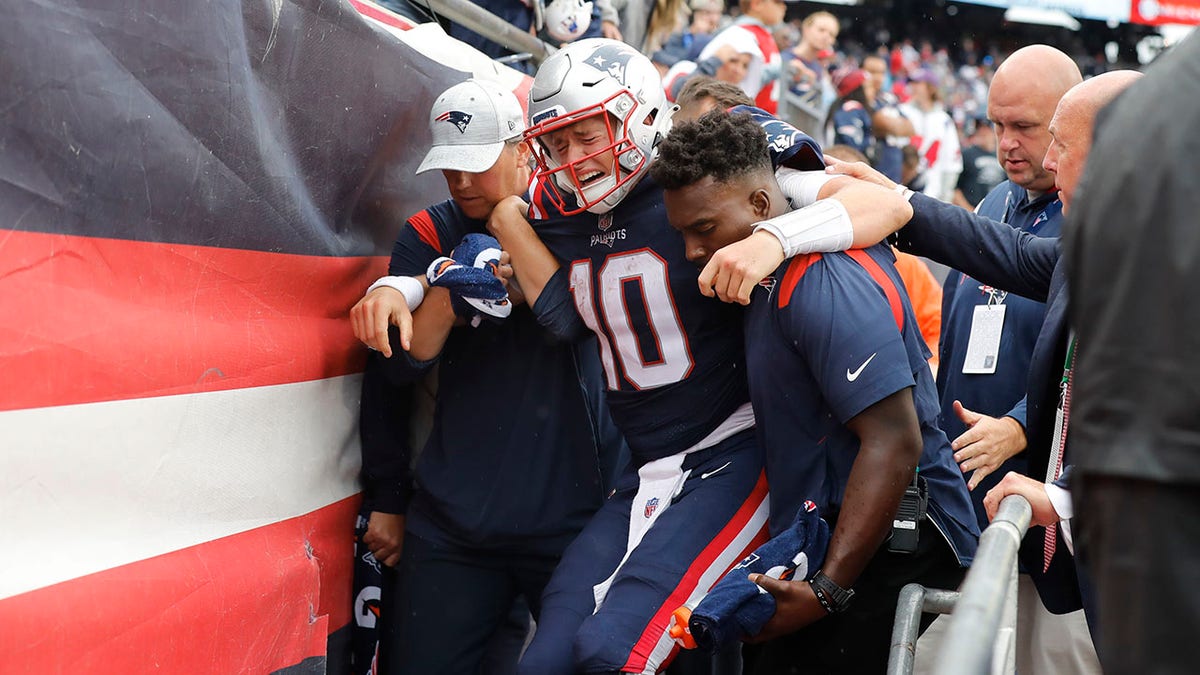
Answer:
x=838 y=334
x=513 y=466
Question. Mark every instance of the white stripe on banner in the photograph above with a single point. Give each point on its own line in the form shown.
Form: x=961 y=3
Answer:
x=85 y=488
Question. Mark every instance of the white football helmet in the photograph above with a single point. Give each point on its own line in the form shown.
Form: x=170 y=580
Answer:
x=566 y=20
x=607 y=79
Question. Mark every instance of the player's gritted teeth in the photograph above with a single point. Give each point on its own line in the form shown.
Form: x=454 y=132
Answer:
x=589 y=177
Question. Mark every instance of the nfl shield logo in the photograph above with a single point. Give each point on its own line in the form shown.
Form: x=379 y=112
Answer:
x=651 y=506
x=605 y=221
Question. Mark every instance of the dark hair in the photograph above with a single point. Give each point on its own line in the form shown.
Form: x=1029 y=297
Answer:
x=718 y=144
x=702 y=86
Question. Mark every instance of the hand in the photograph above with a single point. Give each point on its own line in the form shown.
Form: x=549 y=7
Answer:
x=609 y=30
x=508 y=212
x=504 y=271
x=800 y=72
x=385 y=537
x=796 y=606
x=986 y=444
x=859 y=170
x=372 y=315
x=733 y=271
x=1014 y=483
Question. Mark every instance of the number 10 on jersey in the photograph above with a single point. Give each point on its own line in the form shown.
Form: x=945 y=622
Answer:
x=647 y=273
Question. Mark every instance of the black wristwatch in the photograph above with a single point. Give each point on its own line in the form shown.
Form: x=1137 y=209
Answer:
x=832 y=597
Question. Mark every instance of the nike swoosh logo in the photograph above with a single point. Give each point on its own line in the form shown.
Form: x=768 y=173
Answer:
x=716 y=470
x=852 y=375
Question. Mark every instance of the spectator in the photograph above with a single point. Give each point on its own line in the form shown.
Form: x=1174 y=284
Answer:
x=510 y=404
x=849 y=121
x=891 y=128
x=1133 y=269
x=685 y=45
x=754 y=27
x=981 y=169
x=934 y=136
x=812 y=89
x=729 y=63
x=646 y=24
x=703 y=93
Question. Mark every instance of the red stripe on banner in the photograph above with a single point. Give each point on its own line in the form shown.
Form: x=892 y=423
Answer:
x=662 y=618
x=381 y=14
x=885 y=282
x=249 y=603
x=90 y=319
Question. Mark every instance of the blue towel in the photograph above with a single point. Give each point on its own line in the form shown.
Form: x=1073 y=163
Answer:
x=737 y=607
x=469 y=273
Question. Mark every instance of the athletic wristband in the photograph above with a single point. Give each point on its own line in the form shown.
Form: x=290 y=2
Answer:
x=410 y=288
x=821 y=227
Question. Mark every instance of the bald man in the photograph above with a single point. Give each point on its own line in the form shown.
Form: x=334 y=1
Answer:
x=988 y=336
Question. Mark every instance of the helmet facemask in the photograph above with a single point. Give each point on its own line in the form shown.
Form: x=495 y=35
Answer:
x=600 y=81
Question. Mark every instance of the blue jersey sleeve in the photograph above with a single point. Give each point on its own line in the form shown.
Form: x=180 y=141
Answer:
x=841 y=323
x=555 y=309
x=383 y=435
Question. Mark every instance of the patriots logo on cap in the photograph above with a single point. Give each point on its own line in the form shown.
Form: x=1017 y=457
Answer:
x=458 y=118
x=769 y=284
x=612 y=59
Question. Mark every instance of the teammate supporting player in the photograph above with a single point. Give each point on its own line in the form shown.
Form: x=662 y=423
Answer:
x=838 y=334
x=673 y=359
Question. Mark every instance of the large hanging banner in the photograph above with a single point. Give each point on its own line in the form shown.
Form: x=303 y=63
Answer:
x=192 y=196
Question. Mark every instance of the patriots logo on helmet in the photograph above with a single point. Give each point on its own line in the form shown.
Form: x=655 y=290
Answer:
x=612 y=59
x=458 y=118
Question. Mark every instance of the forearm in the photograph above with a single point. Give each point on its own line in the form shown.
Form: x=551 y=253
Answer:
x=431 y=325
x=876 y=484
x=890 y=447
x=874 y=211
x=532 y=263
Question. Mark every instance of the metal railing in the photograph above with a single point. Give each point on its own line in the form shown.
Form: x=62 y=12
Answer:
x=473 y=17
x=981 y=637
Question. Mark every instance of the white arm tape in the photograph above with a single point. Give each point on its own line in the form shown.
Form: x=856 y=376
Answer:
x=821 y=227
x=410 y=288
x=801 y=187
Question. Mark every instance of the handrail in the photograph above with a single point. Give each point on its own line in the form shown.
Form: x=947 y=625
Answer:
x=987 y=596
x=473 y=17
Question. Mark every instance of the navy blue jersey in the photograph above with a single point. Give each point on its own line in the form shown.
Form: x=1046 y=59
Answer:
x=673 y=359
x=514 y=409
x=832 y=335
x=850 y=125
x=788 y=146
x=1003 y=392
